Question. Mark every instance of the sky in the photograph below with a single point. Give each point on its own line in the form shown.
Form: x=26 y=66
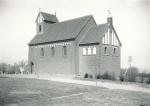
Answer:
x=130 y=19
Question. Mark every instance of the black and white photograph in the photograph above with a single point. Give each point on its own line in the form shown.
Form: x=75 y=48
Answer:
x=74 y=52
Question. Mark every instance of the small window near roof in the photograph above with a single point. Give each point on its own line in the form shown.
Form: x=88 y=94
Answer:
x=94 y=50
x=42 y=51
x=89 y=51
x=84 y=51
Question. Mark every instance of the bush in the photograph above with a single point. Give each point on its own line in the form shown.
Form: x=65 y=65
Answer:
x=86 y=75
x=98 y=76
x=107 y=76
x=148 y=81
x=122 y=78
x=90 y=76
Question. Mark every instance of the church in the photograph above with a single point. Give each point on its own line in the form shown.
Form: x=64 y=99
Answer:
x=74 y=47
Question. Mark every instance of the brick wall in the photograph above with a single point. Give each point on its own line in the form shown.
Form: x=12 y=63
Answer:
x=101 y=62
x=88 y=63
x=81 y=35
x=110 y=62
x=53 y=64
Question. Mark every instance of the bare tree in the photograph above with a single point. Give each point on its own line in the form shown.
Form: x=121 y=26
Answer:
x=132 y=73
x=3 y=68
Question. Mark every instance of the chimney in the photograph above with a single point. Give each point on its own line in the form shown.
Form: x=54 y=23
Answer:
x=110 y=21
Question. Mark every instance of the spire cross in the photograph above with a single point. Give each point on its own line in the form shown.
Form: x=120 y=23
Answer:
x=39 y=9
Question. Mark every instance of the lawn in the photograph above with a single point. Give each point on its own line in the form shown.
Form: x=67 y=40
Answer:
x=33 y=92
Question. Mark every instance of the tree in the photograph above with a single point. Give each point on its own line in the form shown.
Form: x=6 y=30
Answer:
x=142 y=76
x=3 y=68
x=132 y=73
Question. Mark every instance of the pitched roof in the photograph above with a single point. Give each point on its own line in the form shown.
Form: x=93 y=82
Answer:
x=61 y=31
x=48 y=17
x=94 y=34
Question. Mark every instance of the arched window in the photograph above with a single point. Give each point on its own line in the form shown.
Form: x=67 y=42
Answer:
x=94 y=50
x=42 y=51
x=52 y=51
x=114 y=51
x=64 y=50
x=89 y=51
x=40 y=28
x=84 y=51
x=105 y=50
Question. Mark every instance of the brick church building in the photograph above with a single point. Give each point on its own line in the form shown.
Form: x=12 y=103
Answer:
x=74 y=47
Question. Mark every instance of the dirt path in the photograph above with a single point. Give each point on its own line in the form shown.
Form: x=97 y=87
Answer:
x=108 y=85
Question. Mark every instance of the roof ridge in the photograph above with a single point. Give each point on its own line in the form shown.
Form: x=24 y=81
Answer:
x=84 y=25
x=94 y=33
x=75 y=18
x=102 y=24
x=47 y=13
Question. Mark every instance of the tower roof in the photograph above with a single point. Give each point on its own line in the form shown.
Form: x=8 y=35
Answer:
x=48 y=17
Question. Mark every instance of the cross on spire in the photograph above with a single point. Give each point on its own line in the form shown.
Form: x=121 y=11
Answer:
x=39 y=9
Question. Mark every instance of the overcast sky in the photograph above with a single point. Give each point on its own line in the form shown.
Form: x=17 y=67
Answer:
x=131 y=21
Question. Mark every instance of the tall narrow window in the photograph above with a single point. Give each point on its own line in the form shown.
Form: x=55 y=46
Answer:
x=52 y=51
x=89 y=51
x=42 y=51
x=64 y=50
x=84 y=51
x=94 y=50
x=40 y=28
x=114 y=50
x=105 y=50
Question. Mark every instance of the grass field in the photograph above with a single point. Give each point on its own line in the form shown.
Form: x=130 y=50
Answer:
x=33 y=92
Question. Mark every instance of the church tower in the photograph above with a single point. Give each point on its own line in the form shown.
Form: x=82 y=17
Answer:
x=43 y=20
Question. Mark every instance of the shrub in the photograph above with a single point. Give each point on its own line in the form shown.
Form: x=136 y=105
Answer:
x=86 y=75
x=90 y=76
x=121 y=78
x=98 y=76
x=105 y=76
x=148 y=81
x=132 y=73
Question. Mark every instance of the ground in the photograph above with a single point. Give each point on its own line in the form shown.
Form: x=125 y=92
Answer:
x=34 y=92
